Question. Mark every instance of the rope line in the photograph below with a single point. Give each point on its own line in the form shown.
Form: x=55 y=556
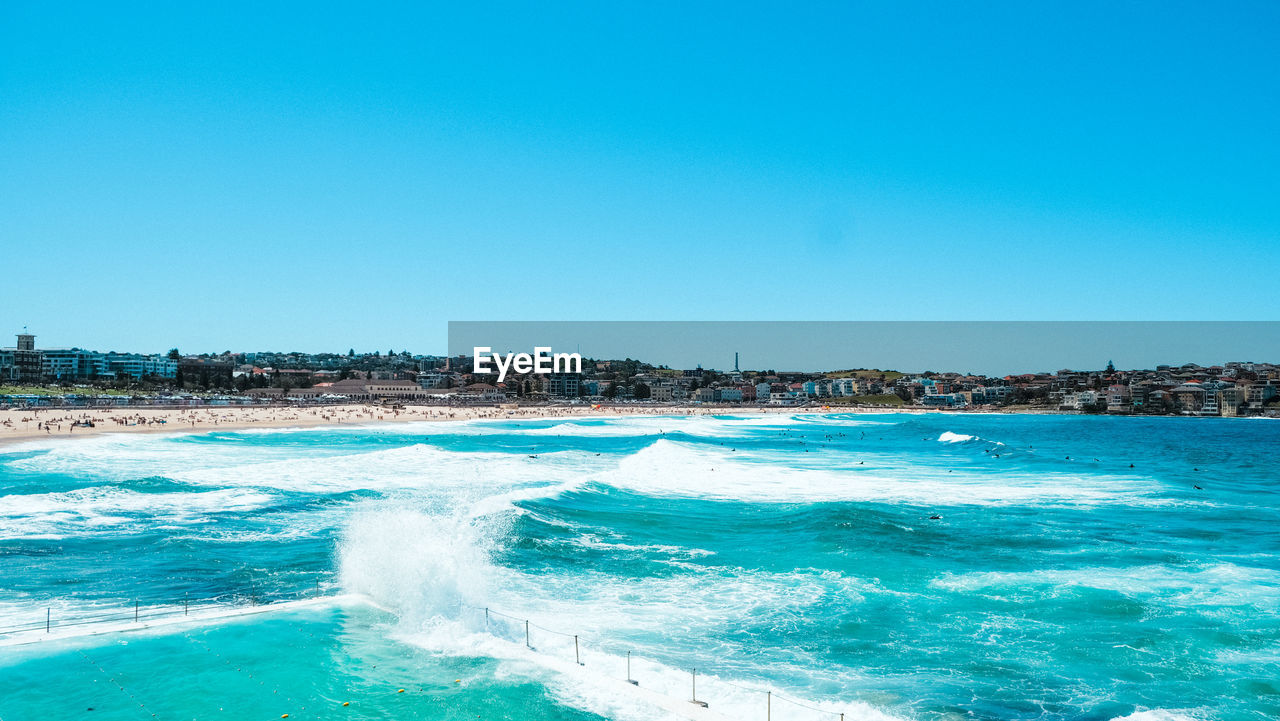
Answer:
x=803 y=705
x=492 y=612
x=275 y=691
x=117 y=683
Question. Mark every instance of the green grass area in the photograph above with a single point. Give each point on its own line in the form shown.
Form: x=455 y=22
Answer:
x=29 y=391
x=869 y=373
x=60 y=391
x=884 y=399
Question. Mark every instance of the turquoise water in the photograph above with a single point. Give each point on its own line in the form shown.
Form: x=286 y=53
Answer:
x=1074 y=570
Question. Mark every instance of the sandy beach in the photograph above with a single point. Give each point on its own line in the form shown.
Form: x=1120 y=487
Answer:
x=29 y=423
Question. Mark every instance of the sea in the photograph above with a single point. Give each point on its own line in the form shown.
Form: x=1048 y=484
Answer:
x=752 y=567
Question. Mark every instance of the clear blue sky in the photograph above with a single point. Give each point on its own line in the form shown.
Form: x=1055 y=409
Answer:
x=275 y=176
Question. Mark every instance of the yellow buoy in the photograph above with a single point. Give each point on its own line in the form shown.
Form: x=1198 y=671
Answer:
x=400 y=691
x=346 y=703
x=457 y=680
x=284 y=715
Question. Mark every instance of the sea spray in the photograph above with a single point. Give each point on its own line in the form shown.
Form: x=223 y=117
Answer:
x=418 y=564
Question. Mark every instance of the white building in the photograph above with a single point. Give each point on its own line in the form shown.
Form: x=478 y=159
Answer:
x=762 y=392
x=137 y=365
x=434 y=379
x=661 y=392
x=1076 y=401
x=728 y=395
x=70 y=364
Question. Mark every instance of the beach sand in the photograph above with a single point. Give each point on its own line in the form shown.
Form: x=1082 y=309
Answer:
x=33 y=423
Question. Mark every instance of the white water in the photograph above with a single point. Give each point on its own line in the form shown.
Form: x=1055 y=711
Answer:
x=433 y=568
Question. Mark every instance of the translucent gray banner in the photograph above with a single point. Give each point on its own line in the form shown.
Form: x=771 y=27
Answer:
x=986 y=347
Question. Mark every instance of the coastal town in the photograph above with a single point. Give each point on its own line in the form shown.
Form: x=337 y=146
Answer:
x=71 y=377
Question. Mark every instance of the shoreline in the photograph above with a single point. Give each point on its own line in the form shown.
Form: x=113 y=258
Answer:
x=30 y=424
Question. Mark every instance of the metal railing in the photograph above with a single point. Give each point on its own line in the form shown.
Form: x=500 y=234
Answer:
x=768 y=695
x=140 y=613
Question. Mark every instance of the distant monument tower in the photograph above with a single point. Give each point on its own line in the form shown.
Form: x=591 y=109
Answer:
x=735 y=361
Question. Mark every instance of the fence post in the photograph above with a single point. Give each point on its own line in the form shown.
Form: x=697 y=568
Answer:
x=703 y=704
x=526 y=634
x=629 y=679
x=576 y=656
x=768 y=706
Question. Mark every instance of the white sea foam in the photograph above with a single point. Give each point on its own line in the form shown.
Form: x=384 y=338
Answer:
x=598 y=686
x=492 y=482
x=600 y=430
x=842 y=419
x=698 y=426
x=1208 y=585
x=114 y=457
x=1166 y=715
x=592 y=541
x=85 y=511
x=126 y=456
x=436 y=571
x=949 y=437
x=672 y=468
x=488 y=482
x=639 y=427
x=417 y=466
